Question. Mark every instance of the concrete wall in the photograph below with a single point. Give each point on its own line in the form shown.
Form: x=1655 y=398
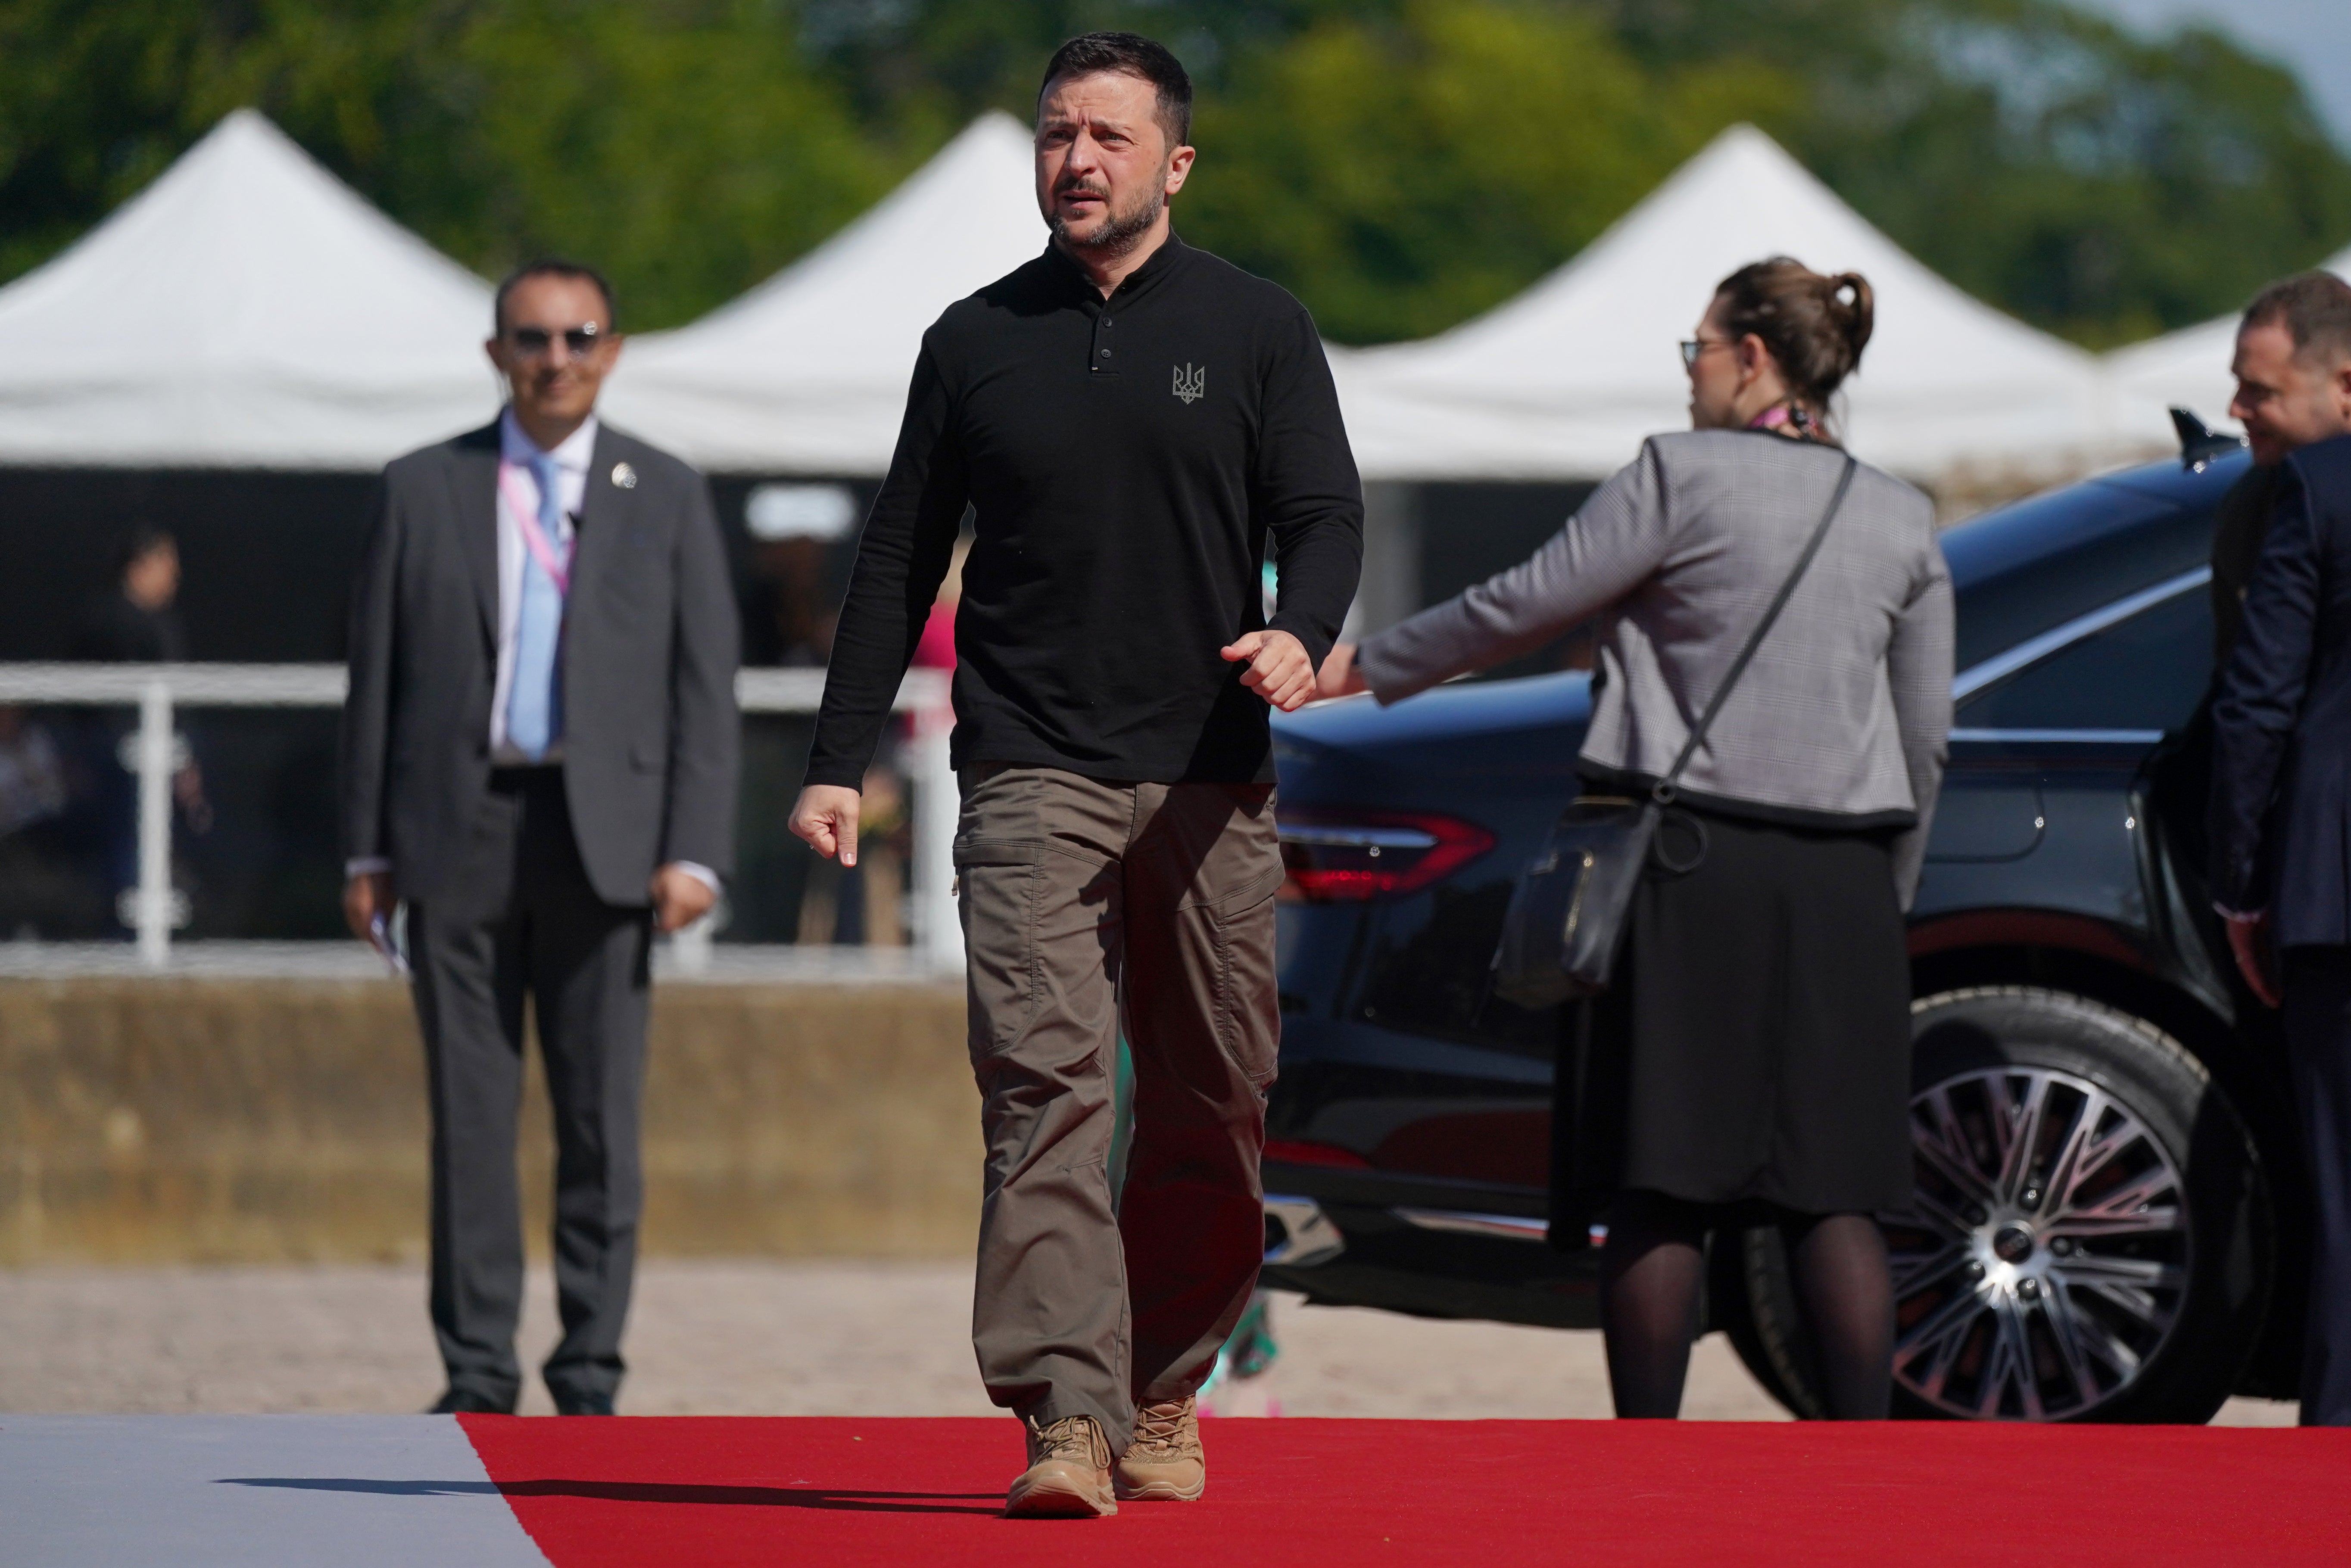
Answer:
x=181 y=1120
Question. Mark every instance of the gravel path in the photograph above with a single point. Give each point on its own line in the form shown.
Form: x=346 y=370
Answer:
x=744 y=1338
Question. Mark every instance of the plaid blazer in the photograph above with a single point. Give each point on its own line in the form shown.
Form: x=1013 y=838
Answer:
x=1843 y=718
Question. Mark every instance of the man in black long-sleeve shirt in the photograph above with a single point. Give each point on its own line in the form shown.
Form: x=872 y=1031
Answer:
x=1129 y=419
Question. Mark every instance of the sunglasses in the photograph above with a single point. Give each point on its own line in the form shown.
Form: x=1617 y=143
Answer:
x=1692 y=347
x=534 y=342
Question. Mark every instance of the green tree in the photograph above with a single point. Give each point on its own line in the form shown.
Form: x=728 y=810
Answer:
x=1401 y=164
x=2097 y=184
x=1404 y=176
x=688 y=147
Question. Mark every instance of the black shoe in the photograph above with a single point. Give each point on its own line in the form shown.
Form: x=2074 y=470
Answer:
x=583 y=1404
x=466 y=1402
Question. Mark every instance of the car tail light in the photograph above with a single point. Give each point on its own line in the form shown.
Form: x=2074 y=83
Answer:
x=1300 y=1151
x=1342 y=855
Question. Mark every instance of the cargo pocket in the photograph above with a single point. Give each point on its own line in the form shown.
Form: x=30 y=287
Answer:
x=1247 y=1008
x=998 y=883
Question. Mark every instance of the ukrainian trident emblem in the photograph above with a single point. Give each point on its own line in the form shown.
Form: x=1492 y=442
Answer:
x=1191 y=385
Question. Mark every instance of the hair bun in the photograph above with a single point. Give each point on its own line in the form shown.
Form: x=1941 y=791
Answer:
x=1860 y=313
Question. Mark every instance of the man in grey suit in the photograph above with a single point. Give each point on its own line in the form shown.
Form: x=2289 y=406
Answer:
x=538 y=759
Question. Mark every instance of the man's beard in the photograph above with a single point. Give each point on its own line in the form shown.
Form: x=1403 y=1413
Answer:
x=1120 y=235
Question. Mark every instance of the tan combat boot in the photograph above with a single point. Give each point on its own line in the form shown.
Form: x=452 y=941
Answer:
x=1068 y=1475
x=1164 y=1463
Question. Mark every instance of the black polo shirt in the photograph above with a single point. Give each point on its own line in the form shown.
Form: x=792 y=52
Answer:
x=1124 y=461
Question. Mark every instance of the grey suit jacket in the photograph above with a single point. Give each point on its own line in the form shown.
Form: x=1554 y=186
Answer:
x=651 y=734
x=1843 y=717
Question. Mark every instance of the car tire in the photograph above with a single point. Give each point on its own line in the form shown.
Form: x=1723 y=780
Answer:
x=2076 y=1286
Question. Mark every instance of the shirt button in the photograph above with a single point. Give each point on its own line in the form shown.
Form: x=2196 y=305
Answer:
x=1105 y=353
x=1107 y=321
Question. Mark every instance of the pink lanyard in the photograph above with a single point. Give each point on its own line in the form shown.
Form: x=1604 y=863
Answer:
x=534 y=537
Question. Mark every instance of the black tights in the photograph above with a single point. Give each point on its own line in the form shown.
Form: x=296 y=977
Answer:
x=1654 y=1267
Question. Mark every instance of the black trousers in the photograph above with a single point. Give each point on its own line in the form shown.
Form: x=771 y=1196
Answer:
x=2318 y=1050
x=521 y=918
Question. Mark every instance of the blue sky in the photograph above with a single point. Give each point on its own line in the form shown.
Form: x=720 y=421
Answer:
x=2313 y=36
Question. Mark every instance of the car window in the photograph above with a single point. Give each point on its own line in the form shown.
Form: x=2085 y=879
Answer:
x=2147 y=673
x=2031 y=567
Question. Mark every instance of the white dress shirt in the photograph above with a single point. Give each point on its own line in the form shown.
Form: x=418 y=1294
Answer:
x=572 y=455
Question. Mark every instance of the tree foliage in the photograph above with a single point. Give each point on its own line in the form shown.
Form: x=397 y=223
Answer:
x=1407 y=173
x=1401 y=164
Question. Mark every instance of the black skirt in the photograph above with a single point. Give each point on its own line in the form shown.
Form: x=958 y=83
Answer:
x=1755 y=1045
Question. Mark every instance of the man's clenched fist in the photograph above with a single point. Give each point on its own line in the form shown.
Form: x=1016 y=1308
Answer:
x=1278 y=670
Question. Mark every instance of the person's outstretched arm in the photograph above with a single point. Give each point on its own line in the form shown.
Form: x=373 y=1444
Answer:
x=1612 y=544
x=1918 y=670
x=901 y=558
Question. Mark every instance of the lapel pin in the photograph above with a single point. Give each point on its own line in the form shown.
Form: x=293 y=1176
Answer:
x=623 y=476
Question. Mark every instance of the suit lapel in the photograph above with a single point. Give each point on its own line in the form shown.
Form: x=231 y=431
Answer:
x=474 y=479
x=601 y=505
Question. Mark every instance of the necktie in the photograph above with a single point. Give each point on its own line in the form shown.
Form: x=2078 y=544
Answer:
x=534 y=706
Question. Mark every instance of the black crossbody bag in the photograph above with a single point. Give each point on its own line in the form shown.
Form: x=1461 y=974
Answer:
x=1571 y=905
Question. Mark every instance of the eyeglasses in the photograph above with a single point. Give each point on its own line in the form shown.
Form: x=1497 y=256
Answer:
x=1692 y=347
x=534 y=342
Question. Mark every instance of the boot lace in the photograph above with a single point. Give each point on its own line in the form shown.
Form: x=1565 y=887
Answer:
x=1159 y=1429
x=1073 y=1438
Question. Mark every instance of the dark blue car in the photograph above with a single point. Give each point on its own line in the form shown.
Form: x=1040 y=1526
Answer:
x=2109 y=1207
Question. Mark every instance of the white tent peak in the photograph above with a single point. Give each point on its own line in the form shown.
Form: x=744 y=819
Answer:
x=1566 y=379
x=896 y=245
x=807 y=372
x=246 y=309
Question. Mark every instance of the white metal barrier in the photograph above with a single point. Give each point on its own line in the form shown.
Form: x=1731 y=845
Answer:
x=154 y=753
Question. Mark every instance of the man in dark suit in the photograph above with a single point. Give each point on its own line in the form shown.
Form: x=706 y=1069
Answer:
x=539 y=760
x=2294 y=388
x=2281 y=837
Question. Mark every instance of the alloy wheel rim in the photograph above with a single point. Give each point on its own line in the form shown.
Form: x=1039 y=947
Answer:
x=2045 y=1257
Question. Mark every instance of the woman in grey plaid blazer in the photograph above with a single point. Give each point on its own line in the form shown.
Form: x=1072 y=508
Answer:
x=1754 y=1049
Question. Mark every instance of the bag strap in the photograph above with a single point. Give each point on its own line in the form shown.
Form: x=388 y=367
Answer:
x=1663 y=791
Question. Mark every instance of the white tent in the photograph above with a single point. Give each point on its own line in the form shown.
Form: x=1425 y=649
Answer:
x=1565 y=380
x=2187 y=368
x=807 y=372
x=246 y=310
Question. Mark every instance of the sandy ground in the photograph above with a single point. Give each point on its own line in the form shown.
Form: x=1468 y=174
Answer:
x=744 y=1338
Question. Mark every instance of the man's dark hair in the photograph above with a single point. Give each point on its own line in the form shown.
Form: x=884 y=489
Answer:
x=2314 y=308
x=554 y=266
x=1129 y=54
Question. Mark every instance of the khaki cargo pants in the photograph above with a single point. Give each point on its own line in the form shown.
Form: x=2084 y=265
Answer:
x=1089 y=905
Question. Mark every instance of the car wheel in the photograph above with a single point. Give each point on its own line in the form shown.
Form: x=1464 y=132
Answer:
x=2090 y=1238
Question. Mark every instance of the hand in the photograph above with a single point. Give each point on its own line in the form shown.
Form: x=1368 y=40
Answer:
x=680 y=897
x=826 y=815
x=1339 y=676
x=365 y=896
x=1278 y=670
x=2249 y=940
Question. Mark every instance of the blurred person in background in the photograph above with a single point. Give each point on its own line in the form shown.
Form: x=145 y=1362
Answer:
x=1757 y=1035
x=135 y=621
x=2281 y=794
x=794 y=530
x=40 y=896
x=540 y=761
x=1129 y=419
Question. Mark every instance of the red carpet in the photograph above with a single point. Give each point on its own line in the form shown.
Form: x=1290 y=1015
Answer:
x=634 y=1492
